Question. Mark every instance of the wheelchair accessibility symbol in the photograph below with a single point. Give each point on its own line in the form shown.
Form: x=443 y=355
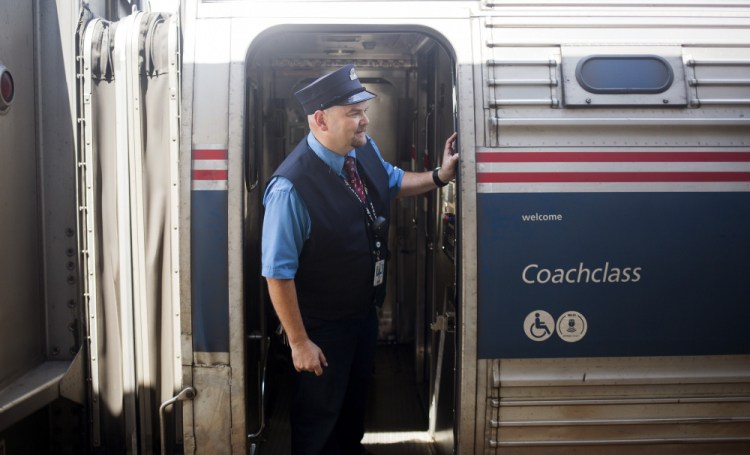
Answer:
x=539 y=325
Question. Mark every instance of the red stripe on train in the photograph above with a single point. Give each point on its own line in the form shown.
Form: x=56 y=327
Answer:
x=612 y=157
x=602 y=177
x=210 y=174
x=209 y=154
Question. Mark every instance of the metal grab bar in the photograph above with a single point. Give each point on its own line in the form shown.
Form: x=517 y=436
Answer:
x=493 y=62
x=266 y=341
x=727 y=62
x=551 y=102
x=496 y=82
x=698 y=102
x=707 y=81
x=188 y=393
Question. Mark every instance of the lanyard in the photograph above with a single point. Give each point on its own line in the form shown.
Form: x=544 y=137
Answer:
x=369 y=208
x=377 y=252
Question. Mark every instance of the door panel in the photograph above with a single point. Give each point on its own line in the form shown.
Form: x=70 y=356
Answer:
x=128 y=186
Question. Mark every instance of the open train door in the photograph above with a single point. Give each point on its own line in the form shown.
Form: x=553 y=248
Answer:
x=128 y=195
x=438 y=248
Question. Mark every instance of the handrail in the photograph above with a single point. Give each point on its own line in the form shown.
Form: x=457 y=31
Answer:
x=188 y=393
x=262 y=386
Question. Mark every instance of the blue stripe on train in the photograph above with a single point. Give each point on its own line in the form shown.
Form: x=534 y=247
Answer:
x=209 y=262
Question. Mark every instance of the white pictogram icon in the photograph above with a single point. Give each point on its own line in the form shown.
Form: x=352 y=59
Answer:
x=539 y=325
x=571 y=326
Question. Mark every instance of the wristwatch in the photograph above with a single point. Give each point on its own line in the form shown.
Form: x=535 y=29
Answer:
x=436 y=178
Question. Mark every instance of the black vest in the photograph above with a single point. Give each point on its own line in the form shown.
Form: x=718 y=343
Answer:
x=336 y=267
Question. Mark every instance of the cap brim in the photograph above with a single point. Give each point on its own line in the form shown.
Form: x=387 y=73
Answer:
x=357 y=98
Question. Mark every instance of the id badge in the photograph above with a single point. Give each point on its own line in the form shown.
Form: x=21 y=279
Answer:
x=379 y=272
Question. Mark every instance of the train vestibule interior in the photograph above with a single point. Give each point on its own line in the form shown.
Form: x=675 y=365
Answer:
x=413 y=74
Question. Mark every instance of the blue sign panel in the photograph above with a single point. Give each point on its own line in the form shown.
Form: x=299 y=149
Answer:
x=210 y=274
x=613 y=274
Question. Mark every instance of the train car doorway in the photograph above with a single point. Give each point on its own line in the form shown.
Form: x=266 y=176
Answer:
x=413 y=73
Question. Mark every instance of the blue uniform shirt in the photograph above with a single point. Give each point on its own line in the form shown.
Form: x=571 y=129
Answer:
x=286 y=225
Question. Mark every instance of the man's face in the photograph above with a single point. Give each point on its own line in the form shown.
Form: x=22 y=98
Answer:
x=347 y=124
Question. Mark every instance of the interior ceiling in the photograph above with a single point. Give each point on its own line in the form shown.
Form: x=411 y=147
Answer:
x=354 y=45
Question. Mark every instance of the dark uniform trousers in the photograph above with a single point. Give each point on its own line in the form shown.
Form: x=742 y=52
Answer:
x=328 y=411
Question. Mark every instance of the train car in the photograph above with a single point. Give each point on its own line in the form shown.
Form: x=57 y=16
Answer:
x=42 y=336
x=581 y=287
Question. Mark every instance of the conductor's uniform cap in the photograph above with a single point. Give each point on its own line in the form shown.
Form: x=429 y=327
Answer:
x=339 y=88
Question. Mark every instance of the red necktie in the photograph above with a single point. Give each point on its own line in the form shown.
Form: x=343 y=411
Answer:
x=351 y=172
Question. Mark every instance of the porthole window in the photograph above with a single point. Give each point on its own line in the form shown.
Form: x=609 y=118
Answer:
x=624 y=74
x=7 y=89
